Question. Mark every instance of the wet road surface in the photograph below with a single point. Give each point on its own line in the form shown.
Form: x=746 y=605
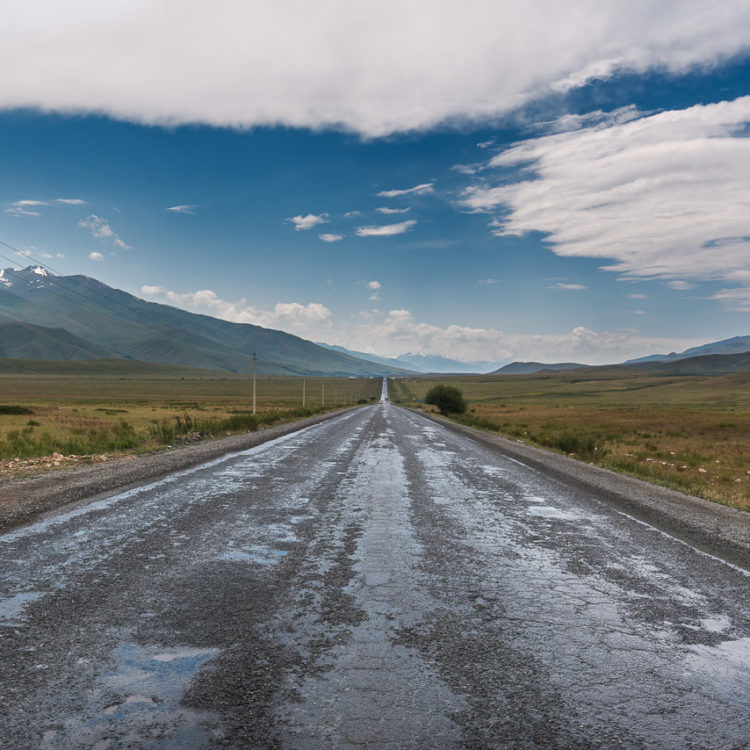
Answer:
x=376 y=580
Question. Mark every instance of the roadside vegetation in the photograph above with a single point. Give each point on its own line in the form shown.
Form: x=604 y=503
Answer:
x=691 y=433
x=56 y=420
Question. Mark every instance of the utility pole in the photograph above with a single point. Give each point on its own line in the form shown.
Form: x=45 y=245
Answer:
x=304 y=393
x=254 y=378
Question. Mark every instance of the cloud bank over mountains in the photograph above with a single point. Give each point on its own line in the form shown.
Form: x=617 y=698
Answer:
x=371 y=67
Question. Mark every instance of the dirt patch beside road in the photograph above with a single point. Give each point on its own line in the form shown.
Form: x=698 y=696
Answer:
x=21 y=501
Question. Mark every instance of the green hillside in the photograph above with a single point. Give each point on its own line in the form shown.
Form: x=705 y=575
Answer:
x=107 y=322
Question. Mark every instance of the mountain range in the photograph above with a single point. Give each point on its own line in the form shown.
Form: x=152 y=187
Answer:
x=44 y=316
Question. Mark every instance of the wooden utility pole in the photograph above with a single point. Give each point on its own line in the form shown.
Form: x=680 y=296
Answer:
x=254 y=378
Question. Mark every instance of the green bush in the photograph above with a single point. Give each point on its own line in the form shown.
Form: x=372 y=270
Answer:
x=447 y=398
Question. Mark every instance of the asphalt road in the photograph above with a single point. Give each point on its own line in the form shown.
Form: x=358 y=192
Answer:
x=377 y=581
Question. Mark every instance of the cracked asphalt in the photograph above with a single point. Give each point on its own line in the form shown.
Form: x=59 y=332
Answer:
x=373 y=581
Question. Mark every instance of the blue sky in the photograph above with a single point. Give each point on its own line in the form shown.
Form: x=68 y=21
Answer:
x=477 y=181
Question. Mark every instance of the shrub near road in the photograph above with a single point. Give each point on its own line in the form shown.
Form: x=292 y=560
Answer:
x=691 y=433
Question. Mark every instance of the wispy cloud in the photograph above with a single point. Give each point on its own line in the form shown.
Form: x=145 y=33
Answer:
x=101 y=229
x=308 y=221
x=637 y=296
x=327 y=237
x=487 y=282
x=680 y=285
x=570 y=287
x=663 y=196
x=96 y=256
x=386 y=230
x=426 y=187
x=386 y=210
x=182 y=209
x=71 y=201
x=24 y=208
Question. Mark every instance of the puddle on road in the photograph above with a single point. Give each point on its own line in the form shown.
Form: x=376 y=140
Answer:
x=12 y=610
x=547 y=511
x=137 y=704
x=724 y=669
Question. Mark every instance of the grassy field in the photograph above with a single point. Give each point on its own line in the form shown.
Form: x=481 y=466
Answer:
x=92 y=409
x=691 y=433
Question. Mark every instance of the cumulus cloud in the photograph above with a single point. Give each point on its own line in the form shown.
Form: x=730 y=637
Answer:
x=182 y=209
x=96 y=256
x=663 y=196
x=373 y=285
x=293 y=317
x=101 y=229
x=386 y=230
x=308 y=221
x=398 y=331
x=327 y=237
x=426 y=187
x=372 y=67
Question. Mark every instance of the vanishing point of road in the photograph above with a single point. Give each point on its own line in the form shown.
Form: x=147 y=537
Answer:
x=377 y=580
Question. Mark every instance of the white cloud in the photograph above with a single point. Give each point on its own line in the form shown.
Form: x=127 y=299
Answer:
x=637 y=296
x=326 y=237
x=664 y=196
x=71 y=201
x=373 y=285
x=372 y=67
x=101 y=229
x=680 y=285
x=95 y=256
x=386 y=230
x=293 y=317
x=386 y=210
x=24 y=208
x=352 y=214
x=16 y=211
x=570 y=287
x=308 y=221
x=422 y=189
x=399 y=332
x=182 y=209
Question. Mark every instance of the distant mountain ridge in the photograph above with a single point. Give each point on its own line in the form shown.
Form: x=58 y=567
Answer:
x=77 y=317
x=734 y=345
x=528 y=368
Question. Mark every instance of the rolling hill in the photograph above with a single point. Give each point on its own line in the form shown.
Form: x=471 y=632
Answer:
x=77 y=317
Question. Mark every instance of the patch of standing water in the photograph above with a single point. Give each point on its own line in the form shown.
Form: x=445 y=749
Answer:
x=137 y=704
x=547 y=511
x=11 y=610
x=725 y=669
